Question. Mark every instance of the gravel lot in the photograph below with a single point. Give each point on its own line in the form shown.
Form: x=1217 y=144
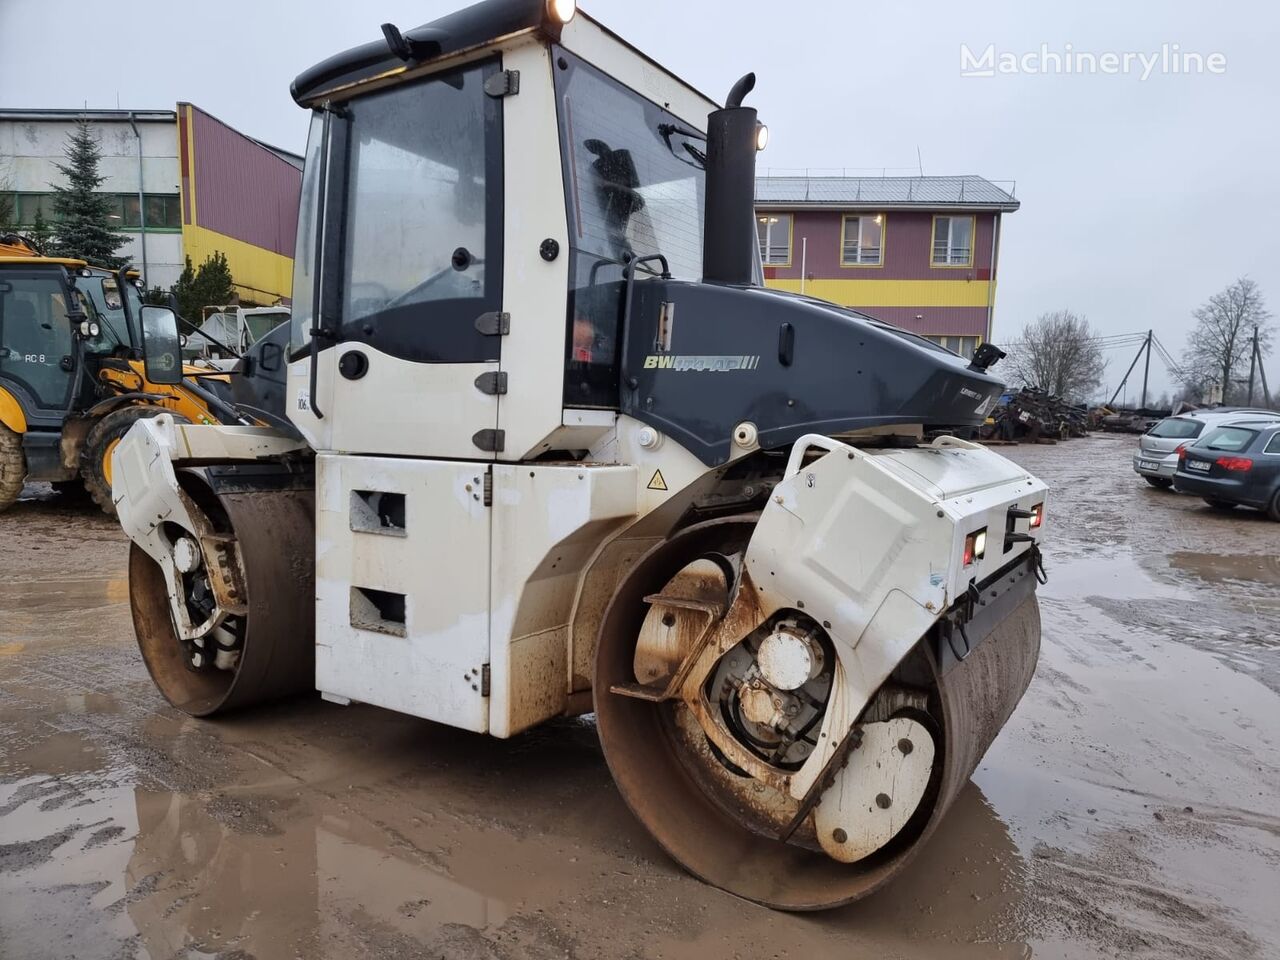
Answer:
x=1128 y=810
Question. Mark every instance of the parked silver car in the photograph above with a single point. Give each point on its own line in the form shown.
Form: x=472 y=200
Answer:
x=1157 y=458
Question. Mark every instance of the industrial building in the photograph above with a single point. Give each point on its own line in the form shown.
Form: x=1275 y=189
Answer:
x=185 y=184
x=918 y=252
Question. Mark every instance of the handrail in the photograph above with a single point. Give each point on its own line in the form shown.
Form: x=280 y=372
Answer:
x=628 y=274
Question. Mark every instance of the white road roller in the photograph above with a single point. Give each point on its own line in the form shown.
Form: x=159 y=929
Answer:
x=545 y=446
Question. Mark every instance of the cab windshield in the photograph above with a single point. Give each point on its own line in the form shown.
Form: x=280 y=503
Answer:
x=103 y=294
x=633 y=177
x=260 y=324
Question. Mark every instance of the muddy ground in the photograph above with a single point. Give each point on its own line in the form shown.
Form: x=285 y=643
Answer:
x=1130 y=809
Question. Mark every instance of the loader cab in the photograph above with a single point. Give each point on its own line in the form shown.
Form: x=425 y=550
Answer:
x=42 y=315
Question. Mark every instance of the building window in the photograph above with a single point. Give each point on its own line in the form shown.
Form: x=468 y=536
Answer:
x=27 y=205
x=164 y=210
x=965 y=346
x=952 y=241
x=862 y=241
x=774 y=233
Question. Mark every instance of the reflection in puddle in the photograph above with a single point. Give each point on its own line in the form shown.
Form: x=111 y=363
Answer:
x=277 y=888
x=1116 y=576
x=1247 y=569
x=25 y=603
x=108 y=867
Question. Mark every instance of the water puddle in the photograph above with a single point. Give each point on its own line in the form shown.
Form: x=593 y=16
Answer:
x=61 y=596
x=1113 y=576
x=1239 y=569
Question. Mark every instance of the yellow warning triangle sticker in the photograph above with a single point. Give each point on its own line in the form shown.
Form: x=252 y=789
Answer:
x=656 y=482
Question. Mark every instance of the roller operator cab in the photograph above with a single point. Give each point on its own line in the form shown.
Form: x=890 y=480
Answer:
x=560 y=452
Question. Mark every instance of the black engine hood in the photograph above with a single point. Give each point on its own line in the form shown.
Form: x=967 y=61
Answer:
x=789 y=364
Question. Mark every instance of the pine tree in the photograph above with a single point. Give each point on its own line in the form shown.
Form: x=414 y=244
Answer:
x=208 y=285
x=83 y=226
x=40 y=234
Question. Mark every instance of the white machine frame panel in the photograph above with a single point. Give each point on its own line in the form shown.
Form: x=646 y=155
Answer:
x=439 y=562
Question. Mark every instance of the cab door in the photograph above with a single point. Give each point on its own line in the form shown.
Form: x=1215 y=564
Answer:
x=36 y=343
x=412 y=269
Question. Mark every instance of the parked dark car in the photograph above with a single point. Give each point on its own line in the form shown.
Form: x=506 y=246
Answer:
x=1157 y=458
x=1234 y=465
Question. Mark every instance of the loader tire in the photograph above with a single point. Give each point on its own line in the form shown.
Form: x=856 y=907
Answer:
x=101 y=440
x=13 y=467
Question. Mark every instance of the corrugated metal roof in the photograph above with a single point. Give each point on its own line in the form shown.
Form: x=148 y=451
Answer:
x=121 y=116
x=969 y=191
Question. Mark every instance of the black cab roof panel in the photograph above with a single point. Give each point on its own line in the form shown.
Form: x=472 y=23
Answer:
x=464 y=29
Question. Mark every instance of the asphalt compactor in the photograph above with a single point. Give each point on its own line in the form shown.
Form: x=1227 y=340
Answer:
x=558 y=451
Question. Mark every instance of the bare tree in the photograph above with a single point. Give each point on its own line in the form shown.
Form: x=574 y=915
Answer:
x=1221 y=344
x=1058 y=353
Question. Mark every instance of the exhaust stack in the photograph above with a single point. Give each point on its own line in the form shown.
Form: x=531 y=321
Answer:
x=728 y=230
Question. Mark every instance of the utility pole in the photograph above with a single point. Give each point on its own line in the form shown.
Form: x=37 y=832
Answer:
x=1253 y=364
x=1146 y=369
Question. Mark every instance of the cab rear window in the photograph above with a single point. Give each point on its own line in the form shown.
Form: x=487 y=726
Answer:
x=1230 y=439
x=1177 y=428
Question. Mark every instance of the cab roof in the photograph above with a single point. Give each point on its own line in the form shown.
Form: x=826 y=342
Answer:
x=479 y=25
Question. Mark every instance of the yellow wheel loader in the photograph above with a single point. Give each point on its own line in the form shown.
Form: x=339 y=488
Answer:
x=555 y=451
x=72 y=381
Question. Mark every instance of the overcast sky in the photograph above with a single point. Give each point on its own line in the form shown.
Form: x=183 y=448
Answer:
x=1140 y=197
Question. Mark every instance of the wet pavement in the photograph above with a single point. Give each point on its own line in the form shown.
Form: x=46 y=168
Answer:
x=1129 y=809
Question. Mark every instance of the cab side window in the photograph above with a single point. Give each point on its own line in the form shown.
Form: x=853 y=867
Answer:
x=35 y=335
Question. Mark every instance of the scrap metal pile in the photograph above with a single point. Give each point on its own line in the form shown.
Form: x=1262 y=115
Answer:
x=1031 y=415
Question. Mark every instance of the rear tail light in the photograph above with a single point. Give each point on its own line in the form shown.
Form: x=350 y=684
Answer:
x=1037 y=516
x=1181 y=451
x=1236 y=464
x=975 y=545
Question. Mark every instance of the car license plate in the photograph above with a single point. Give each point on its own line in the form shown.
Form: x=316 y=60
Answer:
x=1148 y=465
x=1201 y=466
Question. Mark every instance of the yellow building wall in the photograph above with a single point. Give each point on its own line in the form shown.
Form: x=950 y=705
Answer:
x=261 y=276
x=893 y=293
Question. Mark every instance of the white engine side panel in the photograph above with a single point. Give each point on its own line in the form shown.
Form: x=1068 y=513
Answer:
x=438 y=562
x=548 y=521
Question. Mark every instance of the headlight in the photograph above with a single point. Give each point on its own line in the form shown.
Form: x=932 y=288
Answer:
x=562 y=11
x=762 y=136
